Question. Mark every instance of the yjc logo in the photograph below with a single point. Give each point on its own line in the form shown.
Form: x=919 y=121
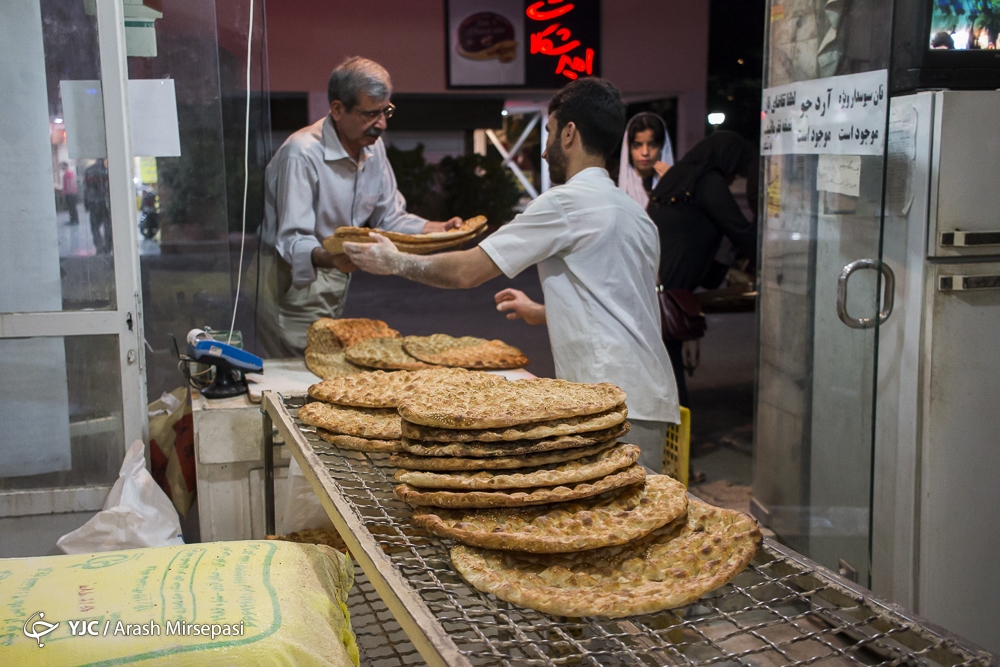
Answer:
x=36 y=633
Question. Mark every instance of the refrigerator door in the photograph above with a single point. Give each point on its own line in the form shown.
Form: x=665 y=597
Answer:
x=959 y=499
x=965 y=197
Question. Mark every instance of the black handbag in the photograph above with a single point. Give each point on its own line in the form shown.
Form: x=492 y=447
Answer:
x=680 y=314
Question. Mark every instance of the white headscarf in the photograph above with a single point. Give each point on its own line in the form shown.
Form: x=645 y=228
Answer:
x=628 y=178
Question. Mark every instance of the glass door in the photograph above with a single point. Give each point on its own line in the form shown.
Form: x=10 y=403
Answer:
x=71 y=357
x=823 y=129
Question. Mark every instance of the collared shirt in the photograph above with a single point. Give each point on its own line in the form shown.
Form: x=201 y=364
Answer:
x=312 y=187
x=597 y=254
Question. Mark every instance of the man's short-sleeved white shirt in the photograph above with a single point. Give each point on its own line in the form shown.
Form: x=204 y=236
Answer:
x=597 y=254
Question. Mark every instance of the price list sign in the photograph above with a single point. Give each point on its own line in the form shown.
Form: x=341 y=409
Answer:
x=839 y=115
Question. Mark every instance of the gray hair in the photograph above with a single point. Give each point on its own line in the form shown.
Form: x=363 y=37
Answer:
x=358 y=75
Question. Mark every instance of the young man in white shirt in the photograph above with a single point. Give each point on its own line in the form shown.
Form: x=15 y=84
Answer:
x=597 y=254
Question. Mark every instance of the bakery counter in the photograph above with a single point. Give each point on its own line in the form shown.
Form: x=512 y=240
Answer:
x=781 y=610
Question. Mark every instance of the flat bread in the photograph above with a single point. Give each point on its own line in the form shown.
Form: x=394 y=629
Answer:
x=438 y=463
x=373 y=423
x=464 y=352
x=384 y=389
x=321 y=338
x=537 y=431
x=330 y=364
x=589 y=468
x=671 y=567
x=520 y=498
x=411 y=243
x=506 y=449
x=359 y=444
x=611 y=518
x=512 y=403
x=385 y=353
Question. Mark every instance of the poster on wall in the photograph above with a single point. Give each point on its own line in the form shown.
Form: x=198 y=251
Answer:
x=838 y=115
x=521 y=43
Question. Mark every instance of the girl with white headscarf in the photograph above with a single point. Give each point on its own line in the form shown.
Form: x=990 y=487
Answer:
x=646 y=156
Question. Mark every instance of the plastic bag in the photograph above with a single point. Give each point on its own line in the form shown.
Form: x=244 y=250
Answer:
x=171 y=447
x=136 y=514
x=303 y=510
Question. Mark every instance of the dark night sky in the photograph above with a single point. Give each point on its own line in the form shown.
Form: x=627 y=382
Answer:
x=735 y=63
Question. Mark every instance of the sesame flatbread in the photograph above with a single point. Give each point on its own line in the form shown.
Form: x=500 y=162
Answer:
x=358 y=444
x=511 y=403
x=615 y=517
x=321 y=338
x=438 y=463
x=330 y=335
x=464 y=352
x=671 y=567
x=330 y=364
x=384 y=353
x=519 y=497
x=589 y=468
x=504 y=448
x=535 y=431
x=373 y=423
x=412 y=243
x=384 y=389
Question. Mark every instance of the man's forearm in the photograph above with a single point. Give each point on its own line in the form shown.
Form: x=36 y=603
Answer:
x=451 y=270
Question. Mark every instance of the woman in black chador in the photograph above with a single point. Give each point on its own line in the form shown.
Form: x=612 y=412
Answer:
x=693 y=209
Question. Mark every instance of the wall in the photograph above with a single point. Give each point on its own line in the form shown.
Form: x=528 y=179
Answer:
x=307 y=39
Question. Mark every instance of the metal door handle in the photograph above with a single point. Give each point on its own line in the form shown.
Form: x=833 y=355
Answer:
x=888 y=287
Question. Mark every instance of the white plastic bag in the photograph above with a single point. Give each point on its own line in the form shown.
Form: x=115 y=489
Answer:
x=303 y=510
x=136 y=514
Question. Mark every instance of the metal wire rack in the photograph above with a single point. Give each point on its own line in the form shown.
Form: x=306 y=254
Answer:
x=782 y=610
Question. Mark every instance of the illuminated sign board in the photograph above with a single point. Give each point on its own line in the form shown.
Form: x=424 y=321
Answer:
x=522 y=43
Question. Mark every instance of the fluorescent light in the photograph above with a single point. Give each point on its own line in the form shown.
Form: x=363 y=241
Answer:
x=717 y=118
x=57 y=121
x=503 y=113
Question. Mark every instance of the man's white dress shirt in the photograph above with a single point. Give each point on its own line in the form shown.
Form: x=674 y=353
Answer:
x=313 y=186
x=597 y=254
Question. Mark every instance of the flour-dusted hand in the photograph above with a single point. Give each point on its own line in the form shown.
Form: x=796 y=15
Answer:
x=432 y=227
x=518 y=306
x=381 y=257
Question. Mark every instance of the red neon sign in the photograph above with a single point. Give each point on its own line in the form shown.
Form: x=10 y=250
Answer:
x=557 y=41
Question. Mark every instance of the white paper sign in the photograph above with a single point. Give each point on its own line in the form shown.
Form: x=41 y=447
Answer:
x=839 y=173
x=839 y=115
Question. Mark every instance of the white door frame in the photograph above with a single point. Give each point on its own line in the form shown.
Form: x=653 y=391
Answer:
x=125 y=321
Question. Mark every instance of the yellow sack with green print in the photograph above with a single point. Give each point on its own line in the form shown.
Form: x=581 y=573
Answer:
x=220 y=603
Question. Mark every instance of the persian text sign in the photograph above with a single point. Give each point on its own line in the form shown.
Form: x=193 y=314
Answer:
x=840 y=115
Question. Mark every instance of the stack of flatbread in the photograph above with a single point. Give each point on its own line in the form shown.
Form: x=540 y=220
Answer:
x=550 y=510
x=359 y=411
x=415 y=244
x=327 y=339
x=464 y=352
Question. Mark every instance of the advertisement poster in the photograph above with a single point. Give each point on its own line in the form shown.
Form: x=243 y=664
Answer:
x=522 y=43
x=486 y=43
x=838 y=115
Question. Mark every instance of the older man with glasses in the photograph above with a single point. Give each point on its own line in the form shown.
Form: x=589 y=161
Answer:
x=331 y=174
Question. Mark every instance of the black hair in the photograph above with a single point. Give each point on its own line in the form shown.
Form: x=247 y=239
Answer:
x=596 y=108
x=942 y=39
x=647 y=121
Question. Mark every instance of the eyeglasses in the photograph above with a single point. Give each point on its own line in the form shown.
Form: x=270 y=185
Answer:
x=372 y=115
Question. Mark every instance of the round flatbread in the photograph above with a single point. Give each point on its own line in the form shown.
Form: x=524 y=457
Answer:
x=376 y=424
x=585 y=469
x=330 y=364
x=384 y=389
x=464 y=352
x=359 y=444
x=418 y=244
x=671 y=567
x=507 y=449
x=538 y=431
x=440 y=463
x=509 y=404
x=611 y=518
x=386 y=353
x=520 y=498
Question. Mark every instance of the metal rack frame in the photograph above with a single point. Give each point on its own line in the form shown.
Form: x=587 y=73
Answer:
x=781 y=610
